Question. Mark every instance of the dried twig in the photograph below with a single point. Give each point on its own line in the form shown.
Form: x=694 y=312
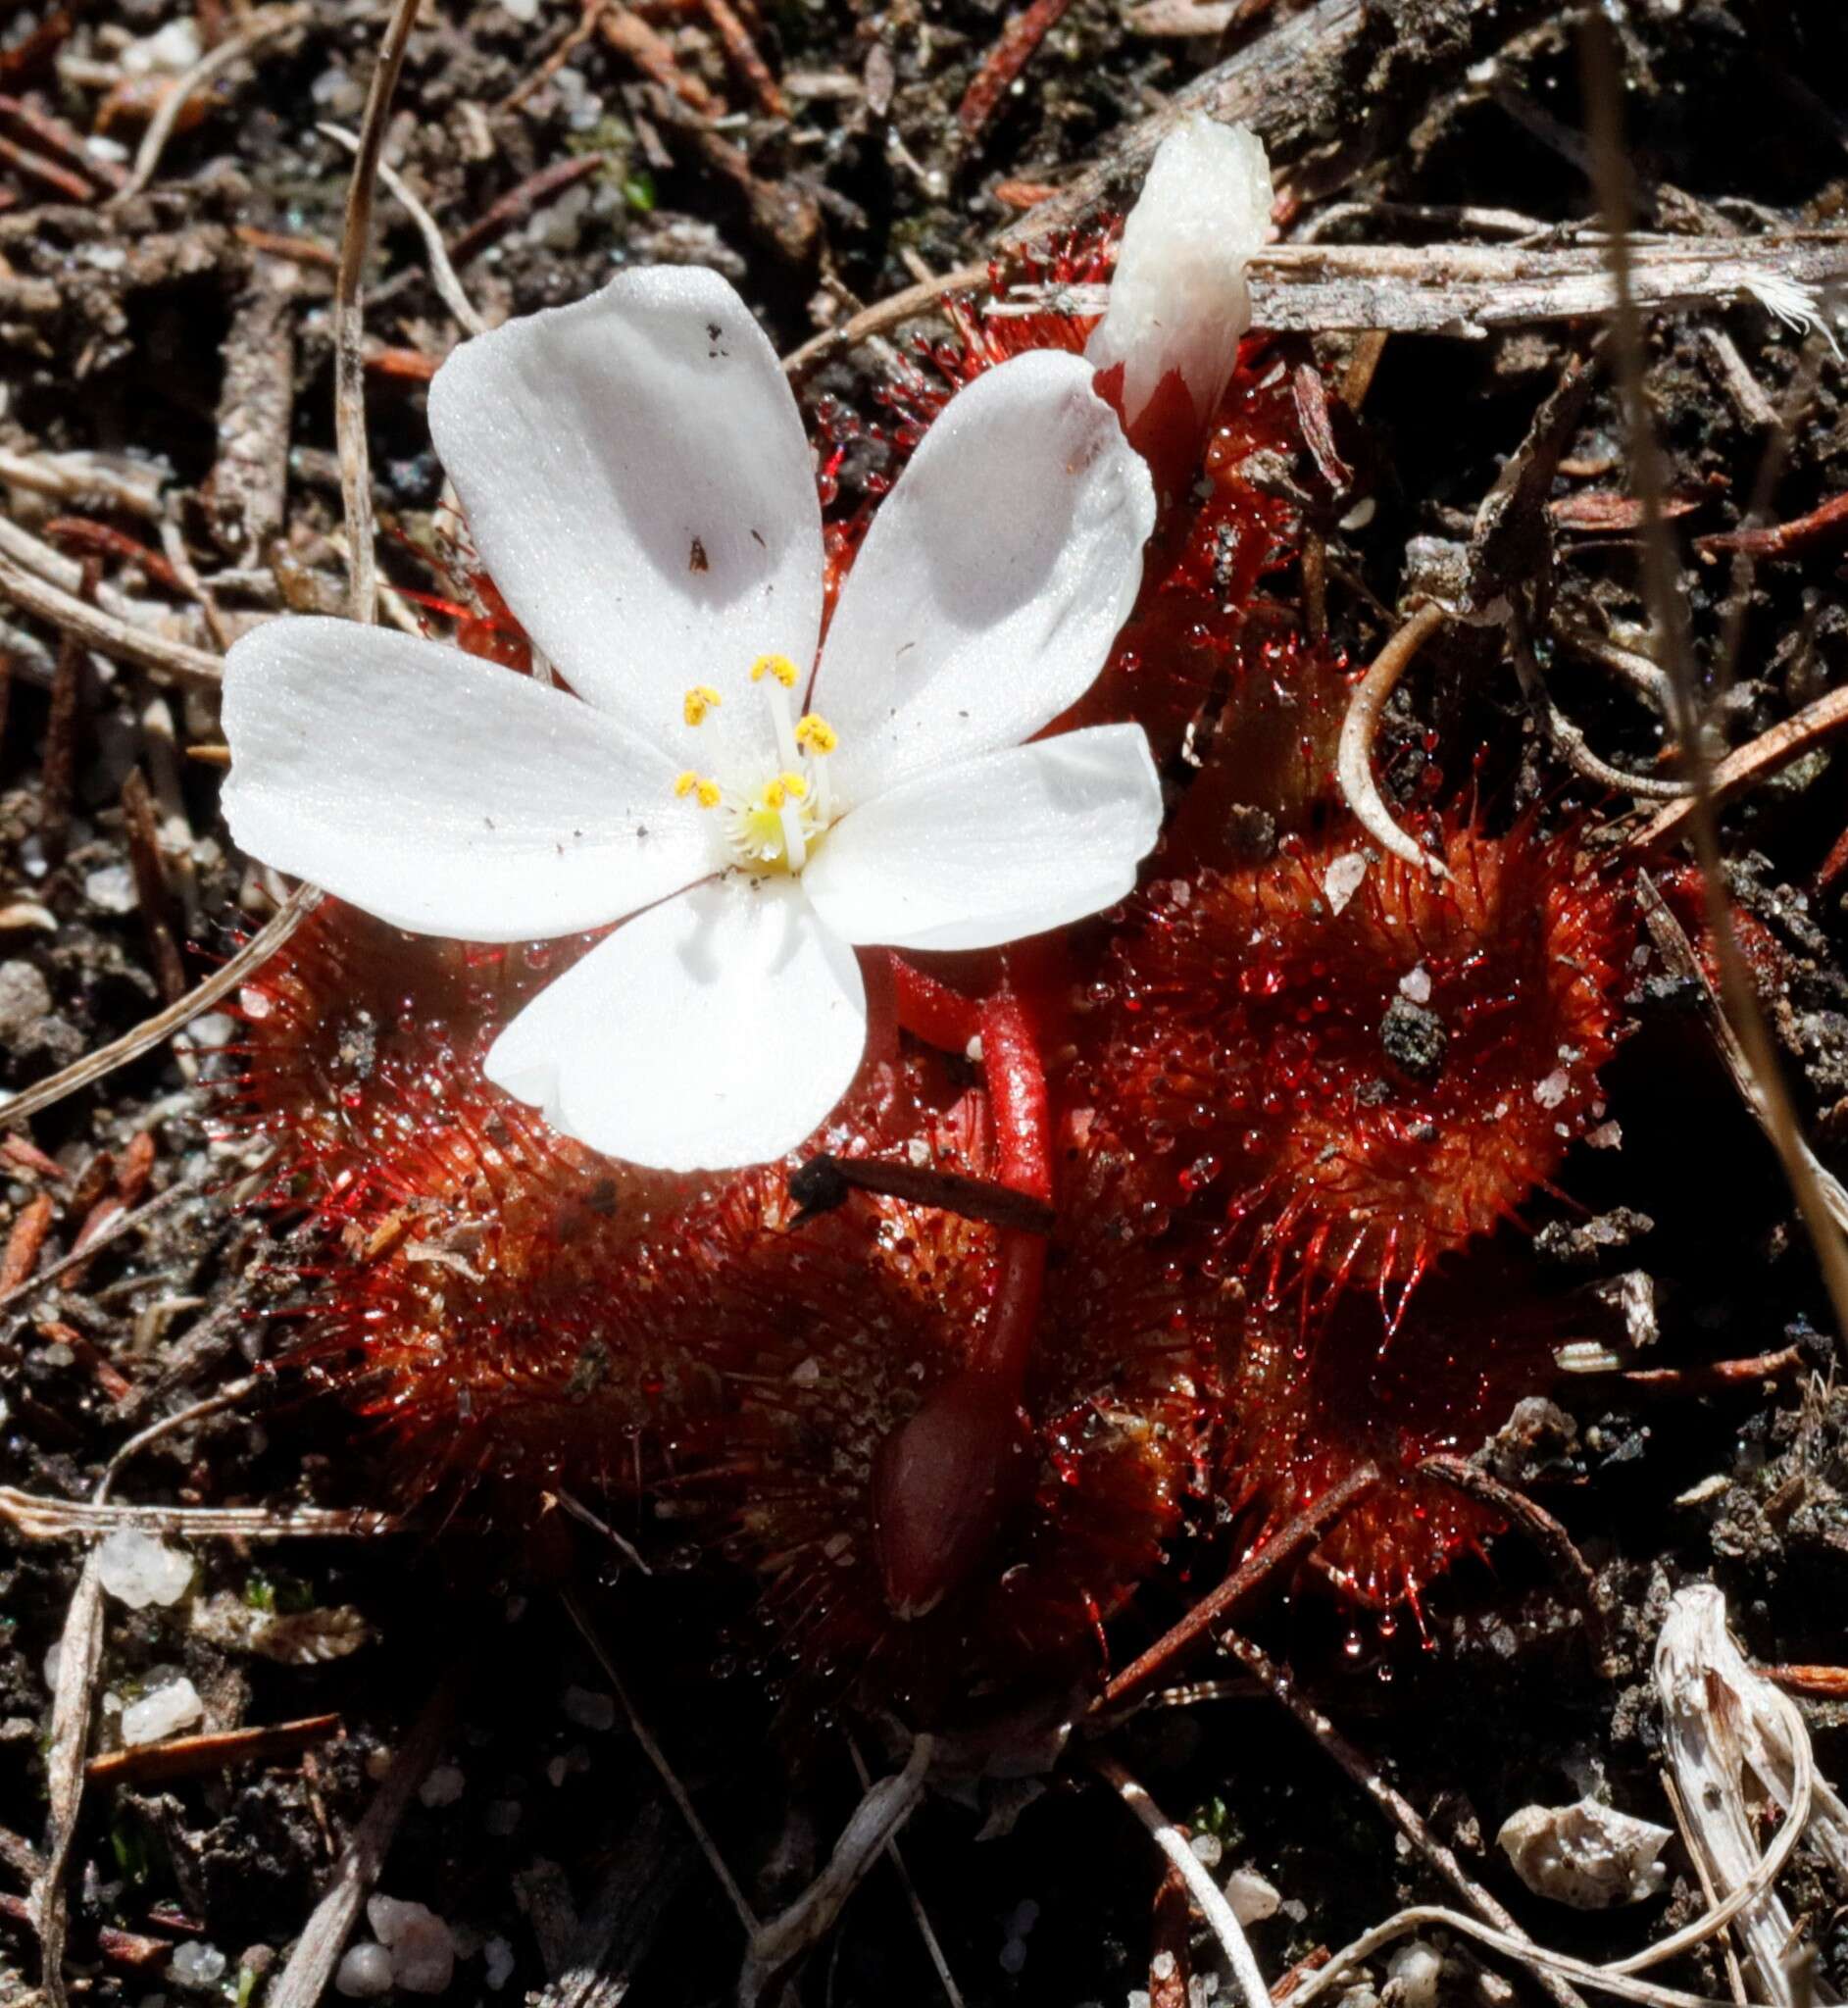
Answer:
x=80 y=1655
x=187 y=1756
x=1003 y=64
x=112 y=635
x=36 y=1519
x=151 y=1032
x=1201 y=1886
x=884 y=1809
x=442 y=273
x=258 y=30
x=1354 y=756
x=1390 y=1801
x=124 y=1223
x=349 y=365
x=663 y=1770
x=1282 y=1547
x=952 y=1992
x=1556 y=1967
x=1546 y=1534
x=1787 y=740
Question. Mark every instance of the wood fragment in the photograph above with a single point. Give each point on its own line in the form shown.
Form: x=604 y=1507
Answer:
x=112 y=636
x=1746 y=764
x=1826 y=523
x=1003 y=64
x=80 y=1655
x=1822 y=1683
x=24 y=1243
x=47 y=172
x=349 y=371
x=522 y=202
x=743 y=54
x=248 y=490
x=1716 y=1376
x=141 y=828
x=187 y=1756
x=653 y=55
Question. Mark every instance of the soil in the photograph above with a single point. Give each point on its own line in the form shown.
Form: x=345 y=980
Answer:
x=179 y=342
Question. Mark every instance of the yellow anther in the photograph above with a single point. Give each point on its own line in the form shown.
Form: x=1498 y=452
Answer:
x=704 y=793
x=793 y=785
x=778 y=666
x=813 y=733
x=698 y=702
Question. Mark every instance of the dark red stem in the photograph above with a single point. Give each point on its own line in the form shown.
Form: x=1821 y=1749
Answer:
x=1023 y=1130
x=932 y=1011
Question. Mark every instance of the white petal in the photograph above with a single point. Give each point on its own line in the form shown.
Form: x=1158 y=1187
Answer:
x=444 y=795
x=1009 y=845
x=636 y=479
x=1177 y=299
x=715 y=1029
x=993 y=579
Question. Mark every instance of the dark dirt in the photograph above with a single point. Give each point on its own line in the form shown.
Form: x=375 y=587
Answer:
x=121 y=331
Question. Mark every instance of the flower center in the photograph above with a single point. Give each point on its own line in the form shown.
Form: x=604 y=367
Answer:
x=772 y=821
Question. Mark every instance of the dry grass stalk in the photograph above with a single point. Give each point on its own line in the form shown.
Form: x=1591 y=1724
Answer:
x=1737 y=1744
x=37 y=1518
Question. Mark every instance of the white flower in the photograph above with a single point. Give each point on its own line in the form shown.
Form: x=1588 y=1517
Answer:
x=1177 y=297
x=639 y=483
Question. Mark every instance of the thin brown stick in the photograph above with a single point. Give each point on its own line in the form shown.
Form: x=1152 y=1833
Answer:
x=1289 y=1541
x=519 y=203
x=1668 y=613
x=663 y=1769
x=123 y=1224
x=1391 y=1802
x=349 y=411
x=116 y=638
x=1546 y=1534
x=1787 y=740
x=79 y=1656
x=259 y=29
x=151 y=1032
x=187 y=1756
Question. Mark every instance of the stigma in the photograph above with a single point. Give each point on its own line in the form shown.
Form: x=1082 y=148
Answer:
x=773 y=818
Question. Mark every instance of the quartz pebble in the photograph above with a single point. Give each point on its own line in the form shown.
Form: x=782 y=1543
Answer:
x=423 y=1950
x=497 y=1964
x=443 y=1786
x=1412 y=1975
x=364 y=1971
x=1587 y=1855
x=195 y=1964
x=1251 y=1896
x=589 y=1710
x=173 y=1706
x=137 y=1569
